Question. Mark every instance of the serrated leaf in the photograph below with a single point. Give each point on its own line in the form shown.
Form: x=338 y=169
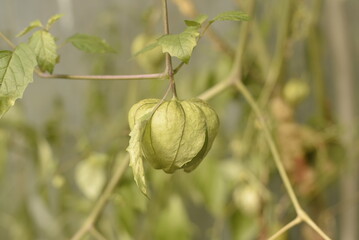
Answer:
x=44 y=46
x=32 y=25
x=180 y=45
x=231 y=16
x=90 y=44
x=16 y=72
x=147 y=48
x=90 y=175
x=198 y=21
x=52 y=20
x=135 y=151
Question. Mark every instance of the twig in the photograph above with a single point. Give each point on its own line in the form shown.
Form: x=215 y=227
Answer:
x=236 y=69
x=247 y=95
x=104 y=77
x=96 y=234
x=101 y=203
x=281 y=231
x=169 y=68
x=274 y=69
x=159 y=76
x=11 y=44
x=178 y=68
x=167 y=73
x=215 y=90
x=301 y=214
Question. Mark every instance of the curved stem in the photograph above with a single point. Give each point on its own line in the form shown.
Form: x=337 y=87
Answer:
x=215 y=90
x=247 y=95
x=101 y=203
x=281 y=231
x=298 y=209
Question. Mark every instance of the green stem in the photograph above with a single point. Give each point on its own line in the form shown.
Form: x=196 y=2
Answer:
x=298 y=209
x=303 y=215
x=96 y=234
x=247 y=95
x=101 y=203
x=215 y=90
x=169 y=68
x=236 y=69
x=167 y=73
x=178 y=68
x=281 y=231
x=275 y=67
x=11 y=44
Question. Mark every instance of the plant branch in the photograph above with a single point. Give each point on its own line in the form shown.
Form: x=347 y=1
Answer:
x=11 y=44
x=275 y=67
x=160 y=76
x=96 y=234
x=247 y=95
x=215 y=90
x=169 y=68
x=281 y=231
x=234 y=79
x=235 y=72
x=104 y=77
x=178 y=68
x=301 y=214
x=101 y=203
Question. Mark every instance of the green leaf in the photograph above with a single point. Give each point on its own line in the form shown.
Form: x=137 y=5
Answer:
x=32 y=25
x=44 y=46
x=198 y=21
x=135 y=151
x=180 y=45
x=52 y=20
x=90 y=44
x=16 y=72
x=231 y=16
x=90 y=175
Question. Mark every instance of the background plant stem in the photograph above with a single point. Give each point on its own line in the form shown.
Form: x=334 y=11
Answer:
x=104 y=197
x=301 y=214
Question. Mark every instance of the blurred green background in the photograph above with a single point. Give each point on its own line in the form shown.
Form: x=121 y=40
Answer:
x=60 y=144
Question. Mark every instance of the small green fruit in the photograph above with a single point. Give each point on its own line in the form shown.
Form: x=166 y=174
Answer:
x=178 y=135
x=295 y=91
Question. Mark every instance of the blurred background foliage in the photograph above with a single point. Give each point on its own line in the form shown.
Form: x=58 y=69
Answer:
x=60 y=143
